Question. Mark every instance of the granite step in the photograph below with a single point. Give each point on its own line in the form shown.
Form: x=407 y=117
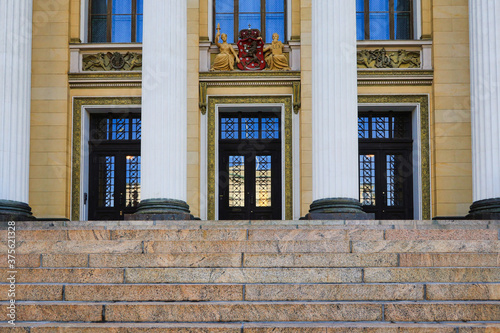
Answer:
x=153 y=260
x=253 y=327
x=239 y=234
x=415 y=311
x=256 y=275
x=139 y=246
x=254 y=246
x=254 y=292
x=208 y=224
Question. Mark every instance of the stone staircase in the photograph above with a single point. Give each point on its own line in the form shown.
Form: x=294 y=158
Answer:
x=254 y=276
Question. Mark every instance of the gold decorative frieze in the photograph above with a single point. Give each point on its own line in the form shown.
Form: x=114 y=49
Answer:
x=381 y=58
x=112 y=61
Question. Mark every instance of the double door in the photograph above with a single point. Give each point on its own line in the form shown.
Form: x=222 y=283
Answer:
x=386 y=164
x=250 y=167
x=114 y=166
x=386 y=180
x=114 y=184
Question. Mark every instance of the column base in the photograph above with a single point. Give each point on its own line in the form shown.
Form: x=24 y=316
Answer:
x=488 y=209
x=15 y=211
x=337 y=209
x=161 y=209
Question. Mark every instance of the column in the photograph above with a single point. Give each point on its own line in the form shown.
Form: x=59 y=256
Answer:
x=15 y=100
x=164 y=111
x=485 y=107
x=334 y=111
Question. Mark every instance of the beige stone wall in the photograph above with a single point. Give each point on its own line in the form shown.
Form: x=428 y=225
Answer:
x=452 y=166
x=50 y=124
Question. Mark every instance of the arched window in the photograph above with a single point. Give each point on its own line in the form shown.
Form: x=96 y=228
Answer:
x=384 y=19
x=115 y=21
x=266 y=15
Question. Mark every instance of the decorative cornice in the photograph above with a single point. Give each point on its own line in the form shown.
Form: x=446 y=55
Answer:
x=105 y=80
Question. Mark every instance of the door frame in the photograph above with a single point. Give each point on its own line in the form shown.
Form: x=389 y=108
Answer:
x=419 y=121
x=82 y=108
x=209 y=138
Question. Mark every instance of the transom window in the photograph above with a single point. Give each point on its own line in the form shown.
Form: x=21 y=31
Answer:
x=384 y=19
x=266 y=15
x=115 y=21
x=257 y=126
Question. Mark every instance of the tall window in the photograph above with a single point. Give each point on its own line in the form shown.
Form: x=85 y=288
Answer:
x=384 y=19
x=115 y=21
x=266 y=15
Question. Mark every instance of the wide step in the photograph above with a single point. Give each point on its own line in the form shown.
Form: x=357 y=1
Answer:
x=252 y=327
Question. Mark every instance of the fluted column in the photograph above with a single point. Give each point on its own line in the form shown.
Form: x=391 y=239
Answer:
x=15 y=98
x=164 y=109
x=334 y=109
x=485 y=102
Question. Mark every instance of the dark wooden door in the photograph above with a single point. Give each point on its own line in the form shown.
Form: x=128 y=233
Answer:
x=385 y=165
x=115 y=166
x=250 y=166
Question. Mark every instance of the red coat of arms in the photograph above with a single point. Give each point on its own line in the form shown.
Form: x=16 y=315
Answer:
x=251 y=50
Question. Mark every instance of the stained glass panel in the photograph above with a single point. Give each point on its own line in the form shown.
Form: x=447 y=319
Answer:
x=394 y=180
x=367 y=180
x=249 y=128
x=236 y=181
x=263 y=181
x=106 y=189
x=229 y=128
x=133 y=181
x=270 y=128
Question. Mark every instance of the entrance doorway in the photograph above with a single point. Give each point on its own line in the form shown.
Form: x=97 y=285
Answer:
x=115 y=165
x=385 y=164
x=250 y=166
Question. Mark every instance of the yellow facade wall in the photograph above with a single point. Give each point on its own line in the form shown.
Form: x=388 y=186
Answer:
x=306 y=108
x=452 y=165
x=56 y=23
x=50 y=129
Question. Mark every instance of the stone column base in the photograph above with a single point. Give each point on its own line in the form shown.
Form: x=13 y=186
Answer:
x=488 y=209
x=161 y=209
x=337 y=209
x=15 y=211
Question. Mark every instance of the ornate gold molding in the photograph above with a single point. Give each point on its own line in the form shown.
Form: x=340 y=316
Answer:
x=204 y=76
x=78 y=103
x=250 y=79
x=423 y=101
x=212 y=141
x=112 y=61
x=395 y=72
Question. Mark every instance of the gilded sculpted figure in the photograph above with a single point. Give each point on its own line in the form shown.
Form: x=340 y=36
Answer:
x=224 y=61
x=275 y=58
